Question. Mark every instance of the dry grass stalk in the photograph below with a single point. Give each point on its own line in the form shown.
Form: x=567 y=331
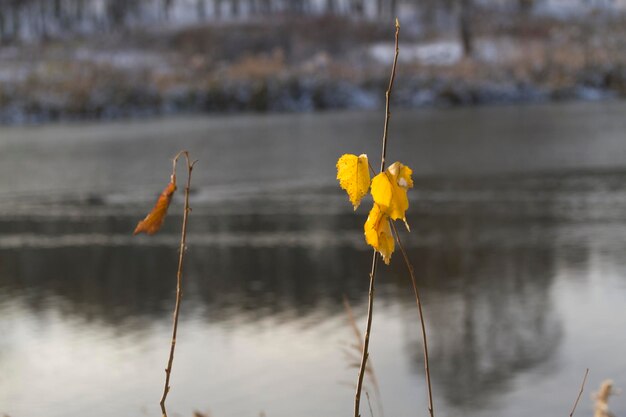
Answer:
x=418 y=301
x=582 y=388
x=353 y=356
x=179 y=275
x=601 y=408
x=365 y=353
x=369 y=403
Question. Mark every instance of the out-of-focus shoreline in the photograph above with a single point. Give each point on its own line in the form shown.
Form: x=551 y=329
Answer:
x=308 y=64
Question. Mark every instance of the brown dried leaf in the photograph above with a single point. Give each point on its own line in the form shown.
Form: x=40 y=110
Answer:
x=154 y=220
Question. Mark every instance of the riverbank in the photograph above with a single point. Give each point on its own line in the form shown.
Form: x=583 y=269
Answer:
x=308 y=64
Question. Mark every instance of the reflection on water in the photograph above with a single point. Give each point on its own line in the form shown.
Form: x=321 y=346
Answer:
x=521 y=275
x=502 y=323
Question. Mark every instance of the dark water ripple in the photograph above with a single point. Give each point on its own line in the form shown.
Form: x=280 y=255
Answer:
x=521 y=268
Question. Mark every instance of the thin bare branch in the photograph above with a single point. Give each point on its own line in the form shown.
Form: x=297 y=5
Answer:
x=366 y=342
x=372 y=170
x=352 y=321
x=580 y=393
x=388 y=98
x=358 y=347
x=370 y=307
x=369 y=403
x=418 y=301
x=179 y=275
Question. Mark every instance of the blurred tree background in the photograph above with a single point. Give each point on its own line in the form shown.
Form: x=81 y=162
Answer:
x=102 y=59
x=42 y=19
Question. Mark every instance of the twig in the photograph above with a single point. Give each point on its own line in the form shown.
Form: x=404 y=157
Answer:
x=418 y=301
x=369 y=369
x=366 y=342
x=179 y=275
x=388 y=97
x=372 y=170
x=365 y=354
x=601 y=408
x=580 y=393
x=369 y=404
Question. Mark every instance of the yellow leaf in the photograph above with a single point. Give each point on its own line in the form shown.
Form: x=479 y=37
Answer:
x=389 y=190
x=378 y=233
x=154 y=220
x=354 y=176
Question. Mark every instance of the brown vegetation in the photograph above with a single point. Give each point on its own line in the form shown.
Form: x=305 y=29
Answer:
x=308 y=63
x=601 y=408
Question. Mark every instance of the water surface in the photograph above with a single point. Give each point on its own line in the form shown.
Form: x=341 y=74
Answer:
x=518 y=233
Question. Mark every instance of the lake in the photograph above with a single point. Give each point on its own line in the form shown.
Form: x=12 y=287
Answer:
x=518 y=240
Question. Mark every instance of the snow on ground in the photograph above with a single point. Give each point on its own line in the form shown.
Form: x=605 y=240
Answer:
x=122 y=59
x=446 y=52
x=17 y=68
x=441 y=52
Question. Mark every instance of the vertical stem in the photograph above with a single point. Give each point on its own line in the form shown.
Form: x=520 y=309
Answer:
x=366 y=342
x=388 y=98
x=582 y=388
x=179 y=278
x=370 y=306
x=418 y=301
x=369 y=403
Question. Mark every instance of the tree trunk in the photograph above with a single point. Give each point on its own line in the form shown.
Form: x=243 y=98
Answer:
x=393 y=8
x=79 y=10
x=43 y=20
x=380 y=8
x=57 y=10
x=167 y=7
x=265 y=7
x=235 y=8
x=16 y=20
x=330 y=7
x=76 y=14
x=428 y=12
x=306 y=6
x=465 y=27
x=252 y=8
x=2 y=25
x=526 y=6
x=116 y=13
x=217 y=9
x=201 y=10
x=358 y=8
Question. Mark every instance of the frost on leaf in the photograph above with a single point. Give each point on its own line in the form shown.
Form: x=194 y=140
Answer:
x=154 y=220
x=389 y=190
x=354 y=176
x=378 y=233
